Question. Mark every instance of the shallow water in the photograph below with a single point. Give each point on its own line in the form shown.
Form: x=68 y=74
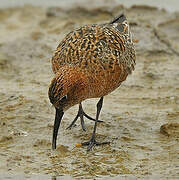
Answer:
x=140 y=118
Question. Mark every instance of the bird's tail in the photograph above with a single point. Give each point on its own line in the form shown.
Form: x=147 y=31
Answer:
x=120 y=24
x=119 y=19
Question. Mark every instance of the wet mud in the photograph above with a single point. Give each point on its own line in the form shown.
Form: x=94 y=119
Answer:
x=141 y=118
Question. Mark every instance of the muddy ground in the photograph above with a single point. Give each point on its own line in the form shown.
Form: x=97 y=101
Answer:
x=140 y=118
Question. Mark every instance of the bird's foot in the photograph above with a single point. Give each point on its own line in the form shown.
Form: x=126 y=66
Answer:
x=81 y=114
x=92 y=142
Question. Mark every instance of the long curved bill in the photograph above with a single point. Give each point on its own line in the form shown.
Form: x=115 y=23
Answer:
x=58 y=118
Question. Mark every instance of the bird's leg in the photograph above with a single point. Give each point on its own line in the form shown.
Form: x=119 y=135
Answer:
x=92 y=141
x=81 y=114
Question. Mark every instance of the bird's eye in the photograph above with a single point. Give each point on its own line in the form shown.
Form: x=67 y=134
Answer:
x=64 y=98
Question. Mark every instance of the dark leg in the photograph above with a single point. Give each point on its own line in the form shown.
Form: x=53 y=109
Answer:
x=92 y=141
x=81 y=117
x=81 y=114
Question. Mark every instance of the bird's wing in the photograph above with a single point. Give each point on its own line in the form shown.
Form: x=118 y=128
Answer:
x=90 y=47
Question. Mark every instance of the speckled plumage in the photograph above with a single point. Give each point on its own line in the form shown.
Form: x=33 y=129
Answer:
x=104 y=54
x=90 y=62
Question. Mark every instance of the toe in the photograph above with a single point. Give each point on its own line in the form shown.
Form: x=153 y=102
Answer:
x=91 y=144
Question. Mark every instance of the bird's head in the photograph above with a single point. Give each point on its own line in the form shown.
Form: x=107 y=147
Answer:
x=65 y=89
x=59 y=93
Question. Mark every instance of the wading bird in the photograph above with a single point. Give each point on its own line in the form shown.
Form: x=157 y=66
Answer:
x=90 y=62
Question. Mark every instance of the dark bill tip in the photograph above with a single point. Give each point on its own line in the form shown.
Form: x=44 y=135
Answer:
x=58 y=118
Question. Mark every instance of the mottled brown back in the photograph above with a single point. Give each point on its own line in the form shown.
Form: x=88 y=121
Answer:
x=91 y=45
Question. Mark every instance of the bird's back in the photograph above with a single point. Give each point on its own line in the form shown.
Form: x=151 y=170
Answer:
x=104 y=52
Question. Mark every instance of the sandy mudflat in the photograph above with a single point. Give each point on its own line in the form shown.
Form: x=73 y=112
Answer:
x=141 y=118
